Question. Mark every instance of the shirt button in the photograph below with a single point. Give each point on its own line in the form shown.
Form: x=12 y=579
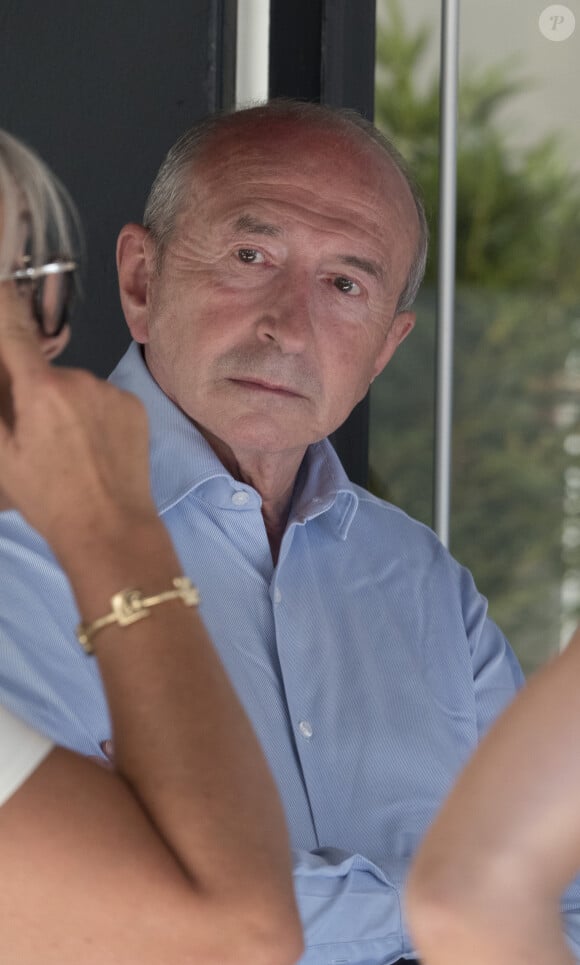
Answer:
x=277 y=596
x=305 y=728
x=240 y=498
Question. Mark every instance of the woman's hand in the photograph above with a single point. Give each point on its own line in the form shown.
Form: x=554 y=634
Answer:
x=73 y=449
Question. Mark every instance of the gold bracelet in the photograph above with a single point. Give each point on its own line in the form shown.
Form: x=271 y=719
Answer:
x=130 y=605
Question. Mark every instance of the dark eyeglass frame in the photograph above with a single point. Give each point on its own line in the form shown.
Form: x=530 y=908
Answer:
x=32 y=274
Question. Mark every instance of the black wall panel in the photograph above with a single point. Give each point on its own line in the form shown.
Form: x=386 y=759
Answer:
x=101 y=90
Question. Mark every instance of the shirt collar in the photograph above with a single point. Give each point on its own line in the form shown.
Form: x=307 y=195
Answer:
x=182 y=460
x=322 y=486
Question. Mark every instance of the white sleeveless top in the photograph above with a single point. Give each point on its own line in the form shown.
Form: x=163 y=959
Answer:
x=21 y=751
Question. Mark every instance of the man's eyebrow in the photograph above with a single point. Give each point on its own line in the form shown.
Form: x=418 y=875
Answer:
x=253 y=225
x=247 y=222
x=372 y=268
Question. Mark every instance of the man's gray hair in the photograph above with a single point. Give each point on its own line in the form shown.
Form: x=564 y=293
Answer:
x=28 y=188
x=169 y=190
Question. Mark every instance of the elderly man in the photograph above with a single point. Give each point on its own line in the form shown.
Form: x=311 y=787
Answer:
x=272 y=282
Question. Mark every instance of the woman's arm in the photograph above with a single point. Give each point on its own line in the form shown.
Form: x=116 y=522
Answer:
x=182 y=855
x=486 y=883
x=86 y=877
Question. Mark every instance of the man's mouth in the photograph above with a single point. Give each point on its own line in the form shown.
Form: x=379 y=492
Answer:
x=261 y=385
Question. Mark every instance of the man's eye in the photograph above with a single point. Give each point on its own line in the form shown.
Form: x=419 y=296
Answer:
x=346 y=285
x=250 y=256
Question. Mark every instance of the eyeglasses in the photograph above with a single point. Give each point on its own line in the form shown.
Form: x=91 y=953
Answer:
x=52 y=291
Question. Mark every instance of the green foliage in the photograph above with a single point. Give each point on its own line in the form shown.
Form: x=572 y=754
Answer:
x=518 y=296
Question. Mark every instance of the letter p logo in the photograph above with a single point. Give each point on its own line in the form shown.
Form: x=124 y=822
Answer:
x=557 y=22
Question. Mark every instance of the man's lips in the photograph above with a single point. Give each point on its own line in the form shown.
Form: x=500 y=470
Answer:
x=261 y=385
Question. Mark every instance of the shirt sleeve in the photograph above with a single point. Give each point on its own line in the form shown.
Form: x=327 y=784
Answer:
x=350 y=911
x=571 y=917
x=497 y=676
x=21 y=751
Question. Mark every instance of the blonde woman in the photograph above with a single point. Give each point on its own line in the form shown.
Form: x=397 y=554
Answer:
x=179 y=854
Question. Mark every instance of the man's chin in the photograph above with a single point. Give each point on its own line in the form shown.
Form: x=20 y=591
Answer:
x=264 y=435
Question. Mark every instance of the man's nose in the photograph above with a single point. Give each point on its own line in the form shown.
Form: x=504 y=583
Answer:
x=286 y=317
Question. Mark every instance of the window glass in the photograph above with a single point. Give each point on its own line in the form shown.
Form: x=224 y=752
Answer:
x=516 y=436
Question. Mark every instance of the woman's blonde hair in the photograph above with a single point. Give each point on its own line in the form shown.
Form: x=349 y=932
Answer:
x=28 y=188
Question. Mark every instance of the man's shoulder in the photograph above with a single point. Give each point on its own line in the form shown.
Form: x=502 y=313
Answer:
x=384 y=519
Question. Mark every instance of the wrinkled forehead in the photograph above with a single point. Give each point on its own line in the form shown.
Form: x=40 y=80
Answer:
x=337 y=171
x=280 y=144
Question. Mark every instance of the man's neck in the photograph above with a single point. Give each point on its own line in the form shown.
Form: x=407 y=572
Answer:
x=272 y=475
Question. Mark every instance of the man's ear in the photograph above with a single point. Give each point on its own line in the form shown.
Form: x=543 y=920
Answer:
x=401 y=326
x=135 y=264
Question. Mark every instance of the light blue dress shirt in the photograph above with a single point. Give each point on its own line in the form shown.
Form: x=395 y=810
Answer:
x=364 y=658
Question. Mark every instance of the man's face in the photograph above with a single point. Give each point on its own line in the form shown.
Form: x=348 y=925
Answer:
x=274 y=306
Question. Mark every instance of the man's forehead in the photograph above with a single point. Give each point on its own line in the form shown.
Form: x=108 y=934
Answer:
x=284 y=147
x=265 y=130
x=278 y=140
x=312 y=175
x=246 y=183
